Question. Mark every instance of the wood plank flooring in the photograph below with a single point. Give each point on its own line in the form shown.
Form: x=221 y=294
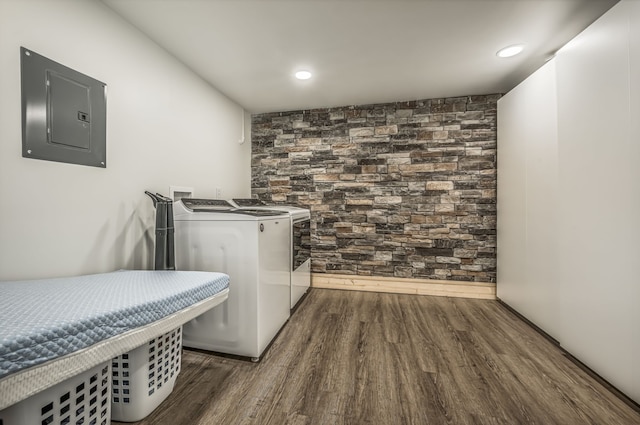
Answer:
x=369 y=358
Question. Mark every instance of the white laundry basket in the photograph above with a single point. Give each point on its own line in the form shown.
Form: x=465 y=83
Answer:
x=144 y=377
x=82 y=399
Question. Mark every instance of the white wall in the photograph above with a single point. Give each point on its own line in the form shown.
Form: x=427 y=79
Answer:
x=165 y=126
x=585 y=291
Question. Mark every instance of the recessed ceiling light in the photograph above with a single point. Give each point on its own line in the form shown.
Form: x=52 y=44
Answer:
x=509 y=51
x=303 y=75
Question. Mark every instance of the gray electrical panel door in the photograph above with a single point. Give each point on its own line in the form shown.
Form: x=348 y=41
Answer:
x=63 y=113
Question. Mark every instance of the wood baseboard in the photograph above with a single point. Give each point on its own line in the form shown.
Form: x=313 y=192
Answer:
x=396 y=285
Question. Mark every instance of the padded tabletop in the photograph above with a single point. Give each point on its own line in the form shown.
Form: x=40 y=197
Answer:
x=43 y=320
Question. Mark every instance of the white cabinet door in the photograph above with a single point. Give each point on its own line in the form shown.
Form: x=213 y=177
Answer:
x=633 y=153
x=598 y=180
x=527 y=205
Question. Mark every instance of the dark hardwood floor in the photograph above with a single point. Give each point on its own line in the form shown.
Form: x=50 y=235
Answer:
x=367 y=358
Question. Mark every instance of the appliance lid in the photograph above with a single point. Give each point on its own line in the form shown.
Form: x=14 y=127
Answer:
x=195 y=205
x=248 y=202
x=258 y=213
x=213 y=205
x=300 y=215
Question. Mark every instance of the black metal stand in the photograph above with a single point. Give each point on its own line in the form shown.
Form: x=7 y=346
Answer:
x=165 y=258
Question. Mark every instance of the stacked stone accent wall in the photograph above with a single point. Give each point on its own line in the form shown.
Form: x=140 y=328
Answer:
x=404 y=189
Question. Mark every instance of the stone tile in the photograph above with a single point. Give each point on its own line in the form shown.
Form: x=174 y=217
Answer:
x=386 y=129
x=361 y=132
x=439 y=185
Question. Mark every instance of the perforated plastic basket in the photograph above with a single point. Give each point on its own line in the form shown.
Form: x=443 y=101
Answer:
x=83 y=399
x=144 y=377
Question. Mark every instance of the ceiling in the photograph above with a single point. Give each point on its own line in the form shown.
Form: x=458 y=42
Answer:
x=359 y=51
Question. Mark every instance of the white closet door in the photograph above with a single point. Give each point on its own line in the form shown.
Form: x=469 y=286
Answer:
x=527 y=205
x=634 y=197
x=598 y=181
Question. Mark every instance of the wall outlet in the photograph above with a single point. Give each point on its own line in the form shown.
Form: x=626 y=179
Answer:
x=218 y=193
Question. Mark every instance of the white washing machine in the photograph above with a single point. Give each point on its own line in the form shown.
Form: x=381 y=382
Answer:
x=252 y=247
x=300 y=243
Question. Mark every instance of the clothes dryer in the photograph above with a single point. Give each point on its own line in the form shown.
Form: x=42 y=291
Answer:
x=252 y=247
x=300 y=243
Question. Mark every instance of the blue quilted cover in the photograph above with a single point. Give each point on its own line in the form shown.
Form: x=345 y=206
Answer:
x=41 y=320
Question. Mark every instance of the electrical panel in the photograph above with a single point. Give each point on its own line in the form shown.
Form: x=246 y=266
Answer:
x=64 y=113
